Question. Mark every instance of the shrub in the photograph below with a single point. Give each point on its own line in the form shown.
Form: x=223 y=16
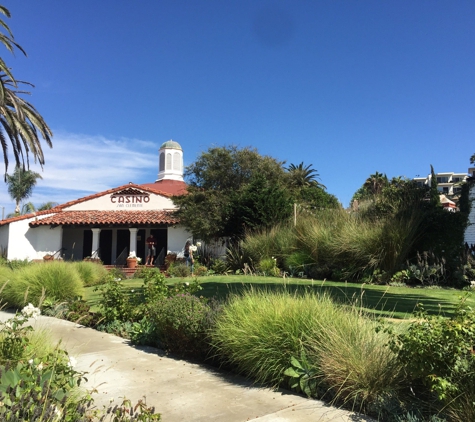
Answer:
x=114 y=302
x=268 y=267
x=56 y=280
x=91 y=273
x=201 y=271
x=179 y=269
x=437 y=354
x=180 y=323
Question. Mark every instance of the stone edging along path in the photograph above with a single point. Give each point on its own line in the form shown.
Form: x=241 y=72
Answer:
x=179 y=390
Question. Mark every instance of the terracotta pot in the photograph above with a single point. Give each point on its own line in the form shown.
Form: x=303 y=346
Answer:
x=131 y=262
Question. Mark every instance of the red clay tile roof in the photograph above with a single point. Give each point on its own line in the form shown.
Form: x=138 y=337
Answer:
x=107 y=217
x=167 y=187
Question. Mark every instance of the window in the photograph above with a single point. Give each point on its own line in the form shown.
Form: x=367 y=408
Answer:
x=169 y=162
x=445 y=189
x=161 y=166
x=176 y=161
x=442 y=180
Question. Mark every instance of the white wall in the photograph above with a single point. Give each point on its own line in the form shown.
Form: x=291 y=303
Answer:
x=470 y=231
x=32 y=243
x=177 y=237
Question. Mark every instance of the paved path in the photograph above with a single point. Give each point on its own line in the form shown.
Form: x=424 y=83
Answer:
x=179 y=390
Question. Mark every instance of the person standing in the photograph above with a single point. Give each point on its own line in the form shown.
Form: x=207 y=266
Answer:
x=188 y=254
x=152 y=248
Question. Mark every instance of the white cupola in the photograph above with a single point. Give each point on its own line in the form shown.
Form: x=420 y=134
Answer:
x=170 y=161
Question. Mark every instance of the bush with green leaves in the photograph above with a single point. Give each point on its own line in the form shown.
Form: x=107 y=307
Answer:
x=181 y=323
x=179 y=269
x=438 y=356
x=56 y=280
x=115 y=303
x=268 y=267
x=38 y=382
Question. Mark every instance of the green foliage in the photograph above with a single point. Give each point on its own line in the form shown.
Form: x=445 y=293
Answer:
x=56 y=280
x=180 y=323
x=219 y=266
x=268 y=266
x=223 y=181
x=259 y=204
x=303 y=377
x=114 y=302
x=427 y=269
x=91 y=273
x=20 y=184
x=260 y=331
x=34 y=388
x=179 y=269
x=438 y=352
x=37 y=386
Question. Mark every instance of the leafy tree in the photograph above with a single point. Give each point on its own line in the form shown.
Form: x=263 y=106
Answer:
x=472 y=159
x=219 y=180
x=260 y=204
x=303 y=176
x=21 y=184
x=21 y=126
x=375 y=183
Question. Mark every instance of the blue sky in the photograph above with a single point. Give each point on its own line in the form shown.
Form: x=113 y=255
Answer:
x=351 y=87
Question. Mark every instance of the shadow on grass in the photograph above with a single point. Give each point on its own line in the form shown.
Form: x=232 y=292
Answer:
x=379 y=302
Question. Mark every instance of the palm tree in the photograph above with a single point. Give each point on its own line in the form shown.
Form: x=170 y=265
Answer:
x=20 y=123
x=301 y=176
x=47 y=206
x=20 y=185
x=375 y=183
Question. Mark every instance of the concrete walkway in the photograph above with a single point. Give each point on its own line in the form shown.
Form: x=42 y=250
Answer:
x=179 y=390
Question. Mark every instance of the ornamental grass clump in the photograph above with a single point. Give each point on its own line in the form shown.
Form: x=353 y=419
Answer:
x=354 y=363
x=260 y=331
x=55 y=280
x=91 y=273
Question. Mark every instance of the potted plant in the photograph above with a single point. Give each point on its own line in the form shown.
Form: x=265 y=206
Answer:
x=133 y=260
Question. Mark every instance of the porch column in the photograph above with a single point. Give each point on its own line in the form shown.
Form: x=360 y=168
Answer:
x=95 y=242
x=133 y=241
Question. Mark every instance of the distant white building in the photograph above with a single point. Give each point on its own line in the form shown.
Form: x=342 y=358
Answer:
x=447 y=183
x=107 y=224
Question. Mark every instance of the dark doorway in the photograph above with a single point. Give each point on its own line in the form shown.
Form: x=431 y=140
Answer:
x=141 y=251
x=105 y=245
x=87 y=243
x=123 y=242
x=162 y=242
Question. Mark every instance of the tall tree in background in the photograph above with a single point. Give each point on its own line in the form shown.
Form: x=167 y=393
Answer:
x=21 y=184
x=303 y=176
x=21 y=126
x=222 y=184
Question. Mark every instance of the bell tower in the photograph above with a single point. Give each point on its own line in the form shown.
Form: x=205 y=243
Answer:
x=170 y=161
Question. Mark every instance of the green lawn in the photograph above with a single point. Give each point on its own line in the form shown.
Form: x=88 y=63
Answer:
x=395 y=302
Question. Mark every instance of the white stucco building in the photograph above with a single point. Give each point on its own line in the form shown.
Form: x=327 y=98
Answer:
x=107 y=224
